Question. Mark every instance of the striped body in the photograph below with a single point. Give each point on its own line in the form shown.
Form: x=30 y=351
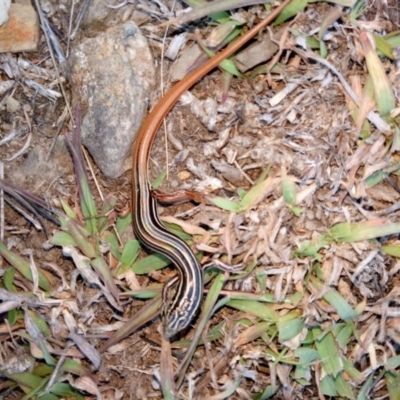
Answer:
x=147 y=226
x=149 y=230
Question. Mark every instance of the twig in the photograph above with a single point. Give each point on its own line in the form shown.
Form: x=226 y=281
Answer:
x=28 y=141
x=79 y=20
x=92 y=173
x=43 y=24
x=38 y=225
x=71 y=16
x=372 y=117
x=56 y=45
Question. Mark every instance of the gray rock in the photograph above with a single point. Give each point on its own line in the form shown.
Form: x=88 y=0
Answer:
x=112 y=76
x=96 y=15
x=99 y=16
x=230 y=173
x=256 y=53
x=188 y=57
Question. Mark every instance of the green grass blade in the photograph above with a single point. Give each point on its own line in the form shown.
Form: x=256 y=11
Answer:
x=213 y=9
x=37 y=336
x=81 y=238
x=328 y=386
x=383 y=89
x=328 y=352
x=291 y=329
x=289 y=190
x=150 y=263
x=68 y=210
x=63 y=239
x=255 y=308
x=391 y=250
x=74 y=367
x=383 y=46
x=123 y=223
x=393 y=385
x=23 y=267
x=112 y=240
x=256 y=194
x=225 y=204
x=129 y=255
x=336 y=300
x=346 y=232
x=294 y=8
x=8 y=278
x=65 y=390
x=363 y=393
x=343 y=387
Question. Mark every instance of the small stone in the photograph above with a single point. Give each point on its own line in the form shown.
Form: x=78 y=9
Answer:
x=255 y=54
x=230 y=173
x=21 y=31
x=185 y=61
x=12 y=104
x=184 y=175
x=27 y=108
x=95 y=18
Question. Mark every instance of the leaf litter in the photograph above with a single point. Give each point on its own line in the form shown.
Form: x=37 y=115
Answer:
x=303 y=162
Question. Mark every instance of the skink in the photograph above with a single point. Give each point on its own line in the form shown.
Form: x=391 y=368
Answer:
x=147 y=226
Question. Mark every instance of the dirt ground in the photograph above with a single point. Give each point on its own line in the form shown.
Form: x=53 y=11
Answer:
x=309 y=136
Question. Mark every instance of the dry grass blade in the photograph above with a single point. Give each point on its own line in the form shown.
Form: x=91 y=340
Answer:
x=383 y=92
x=166 y=373
x=29 y=201
x=150 y=311
x=88 y=350
x=106 y=276
x=333 y=15
x=252 y=333
x=91 y=277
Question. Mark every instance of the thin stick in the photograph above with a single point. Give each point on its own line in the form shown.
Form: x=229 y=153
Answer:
x=71 y=16
x=79 y=20
x=43 y=25
x=92 y=173
x=162 y=91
